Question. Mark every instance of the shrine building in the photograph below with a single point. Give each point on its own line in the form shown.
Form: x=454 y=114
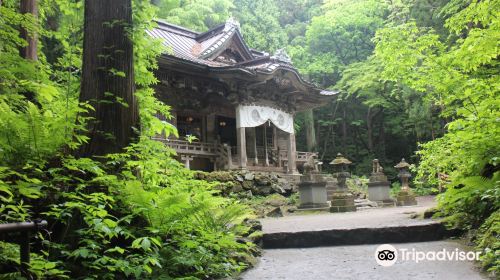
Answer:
x=239 y=103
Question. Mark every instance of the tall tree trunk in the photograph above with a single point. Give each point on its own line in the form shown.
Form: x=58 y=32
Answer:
x=108 y=76
x=344 y=129
x=310 y=131
x=369 y=130
x=381 y=143
x=30 y=50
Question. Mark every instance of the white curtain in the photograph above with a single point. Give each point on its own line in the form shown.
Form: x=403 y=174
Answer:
x=255 y=115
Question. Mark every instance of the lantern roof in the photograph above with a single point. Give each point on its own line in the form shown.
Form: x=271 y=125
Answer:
x=340 y=159
x=402 y=164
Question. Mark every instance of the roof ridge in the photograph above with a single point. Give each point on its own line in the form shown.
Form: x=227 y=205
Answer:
x=219 y=43
x=176 y=28
x=201 y=36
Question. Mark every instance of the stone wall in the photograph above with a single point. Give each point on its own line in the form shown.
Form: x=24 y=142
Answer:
x=248 y=184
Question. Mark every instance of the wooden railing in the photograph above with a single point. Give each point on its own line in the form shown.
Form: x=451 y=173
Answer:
x=25 y=230
x=299 y=156
x=224 y=154
x=190 y=148
x=304 y=156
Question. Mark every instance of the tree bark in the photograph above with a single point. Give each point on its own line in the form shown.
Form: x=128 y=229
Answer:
x=30 y=50
x=344 y=129
x=369 y=130
x=310 y=131
x=381 y=143
x=108 y=76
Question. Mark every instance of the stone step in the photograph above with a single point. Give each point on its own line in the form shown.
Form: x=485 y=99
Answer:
x=356 y=236
x=373 y=225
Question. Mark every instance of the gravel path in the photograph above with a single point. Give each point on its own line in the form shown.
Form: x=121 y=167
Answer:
x=358 y=262
x=370 y=218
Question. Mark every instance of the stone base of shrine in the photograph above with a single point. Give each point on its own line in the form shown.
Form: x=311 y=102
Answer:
x=312 y=193
x=406 y=198
x=379 y=191
x=342 y=202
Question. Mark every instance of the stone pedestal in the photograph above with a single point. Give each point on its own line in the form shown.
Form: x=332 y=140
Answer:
x=342 y=201
x=379 y=192
x=312 y=190
x=331 y=186
x=379 y=187
x=406 y=198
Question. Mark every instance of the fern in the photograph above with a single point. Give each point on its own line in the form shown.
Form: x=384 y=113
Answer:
x=470 y=200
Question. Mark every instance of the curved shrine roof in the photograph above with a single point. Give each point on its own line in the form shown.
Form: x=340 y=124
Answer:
x=222 y=49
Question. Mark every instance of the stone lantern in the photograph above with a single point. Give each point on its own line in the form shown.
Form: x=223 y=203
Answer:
x=405 y=196
x=341 y=199
x=341 y=170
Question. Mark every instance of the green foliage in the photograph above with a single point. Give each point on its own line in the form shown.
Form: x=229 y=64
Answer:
x=489 y=242
x=339 y=36
x=459 y=75
x=199 y=15
x=358 y=185
x=104 y=216
x=411 y=72
x=260 y=25
x=395 y=189
x=469 y=201
x=127 y=217
x=30 y=128
x=472 y=203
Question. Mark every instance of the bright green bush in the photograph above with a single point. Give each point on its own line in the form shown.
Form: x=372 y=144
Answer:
x=138 y=215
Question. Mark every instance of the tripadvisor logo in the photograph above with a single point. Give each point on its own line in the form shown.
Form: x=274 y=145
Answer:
x=387 y=255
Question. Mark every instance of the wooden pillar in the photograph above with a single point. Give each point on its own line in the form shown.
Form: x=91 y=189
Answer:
x=241 y=147
x=211 y=134
x=265 y=146
x=252 y=143
x=214 y=163
x=187 y=160
x=275 y=138
x=229 y=157
x=292 y=166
